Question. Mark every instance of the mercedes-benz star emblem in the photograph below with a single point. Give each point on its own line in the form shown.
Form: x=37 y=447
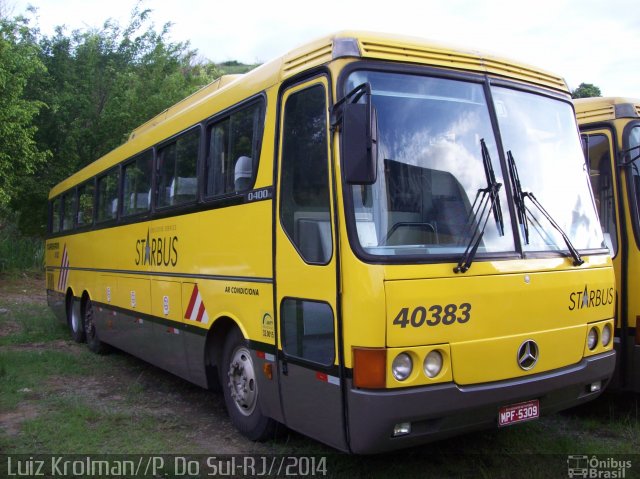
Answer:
x=528 y=354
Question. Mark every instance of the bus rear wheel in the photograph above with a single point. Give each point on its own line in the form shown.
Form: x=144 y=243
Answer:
x=76 y=323
x=241 y=393
x=93 y=342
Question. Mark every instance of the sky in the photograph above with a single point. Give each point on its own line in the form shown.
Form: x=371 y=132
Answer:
x=591 y=41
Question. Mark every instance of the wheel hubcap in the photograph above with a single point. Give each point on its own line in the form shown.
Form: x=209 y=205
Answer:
x=75 y=322
x=242 y=381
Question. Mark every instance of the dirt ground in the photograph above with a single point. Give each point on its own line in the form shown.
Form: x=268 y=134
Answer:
x=23 y=289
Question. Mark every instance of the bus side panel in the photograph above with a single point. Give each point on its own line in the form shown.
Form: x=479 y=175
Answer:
x=195 y=332
x=55 y=259
x=168 y=348
x=117 y=323
x=195 y=346
x=268 y=384
x=132 y=294
x=55 y=301
x=104 y=314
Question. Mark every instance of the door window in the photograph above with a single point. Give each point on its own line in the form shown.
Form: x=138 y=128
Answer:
x=602 y=184
x=308 y=330
x=304 y=183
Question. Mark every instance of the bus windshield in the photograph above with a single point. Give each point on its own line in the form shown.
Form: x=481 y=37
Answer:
x=437 y=154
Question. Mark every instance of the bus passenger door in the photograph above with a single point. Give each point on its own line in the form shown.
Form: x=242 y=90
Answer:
x=305 y=268
x=603 y=175
x=603 y=172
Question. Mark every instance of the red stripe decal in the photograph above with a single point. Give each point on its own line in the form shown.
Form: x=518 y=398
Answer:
x=322 y=377
x=200 y=312
x=64 y=264
x=192 y=302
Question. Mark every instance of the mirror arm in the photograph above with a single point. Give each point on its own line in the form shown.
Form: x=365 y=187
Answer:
x=353 y=97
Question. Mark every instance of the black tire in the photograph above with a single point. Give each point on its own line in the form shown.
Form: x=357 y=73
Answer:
x=240 y=387
x=76 y=322
x=93 y=342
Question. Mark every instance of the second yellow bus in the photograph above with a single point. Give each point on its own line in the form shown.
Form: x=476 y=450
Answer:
x=611 y=133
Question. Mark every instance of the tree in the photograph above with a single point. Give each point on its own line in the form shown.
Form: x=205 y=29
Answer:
x=586 y=90
x=101 y=84
x=5 y=9
x=19 y=64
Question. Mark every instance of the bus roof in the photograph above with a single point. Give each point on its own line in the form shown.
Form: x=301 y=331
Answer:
x=589 y=110
x=348 y=44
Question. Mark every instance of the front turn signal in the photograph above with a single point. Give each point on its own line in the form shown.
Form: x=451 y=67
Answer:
x=370 y=368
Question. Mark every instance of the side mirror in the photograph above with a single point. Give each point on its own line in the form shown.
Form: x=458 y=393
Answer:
x=360 y=142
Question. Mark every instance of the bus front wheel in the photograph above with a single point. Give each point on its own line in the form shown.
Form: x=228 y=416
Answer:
x=241 y=393
x=93 y=342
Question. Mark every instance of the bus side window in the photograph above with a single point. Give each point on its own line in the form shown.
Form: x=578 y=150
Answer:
x=177 y=166
x=107 y=192
x=68 y=209
x=304 y=183
x=55 y=215
x=137 y=184
x=85 y=203
x=233 y=151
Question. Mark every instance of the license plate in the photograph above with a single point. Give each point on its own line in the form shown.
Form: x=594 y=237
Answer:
x=524 y=411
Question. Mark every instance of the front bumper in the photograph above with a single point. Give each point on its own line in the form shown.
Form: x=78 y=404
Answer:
x=440 y=411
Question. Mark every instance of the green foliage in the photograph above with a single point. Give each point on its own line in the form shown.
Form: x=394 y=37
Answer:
x=100 y=85
x=19 y=64
x=232 y=67
x=18 y=252
x=586 y=90
x=69 y=98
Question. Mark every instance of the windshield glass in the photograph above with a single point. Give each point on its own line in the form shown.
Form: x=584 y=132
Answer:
x=540 y=133
x=431 y=133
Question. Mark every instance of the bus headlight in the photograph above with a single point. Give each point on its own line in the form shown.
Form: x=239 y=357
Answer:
x=432 y=364
x=402 y=366
x=606 y=335
x=592 y=338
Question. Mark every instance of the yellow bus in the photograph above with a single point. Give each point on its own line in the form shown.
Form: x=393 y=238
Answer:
x=373 y=240
x=611 y=135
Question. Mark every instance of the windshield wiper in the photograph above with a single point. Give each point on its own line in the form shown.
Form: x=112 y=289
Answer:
x=522 y=210
x=518 y=197
x=480 y=212
x=495 y=187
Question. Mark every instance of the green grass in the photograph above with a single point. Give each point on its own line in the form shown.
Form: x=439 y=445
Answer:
x=81 y=428
x=24 y=373
x=34 y=323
